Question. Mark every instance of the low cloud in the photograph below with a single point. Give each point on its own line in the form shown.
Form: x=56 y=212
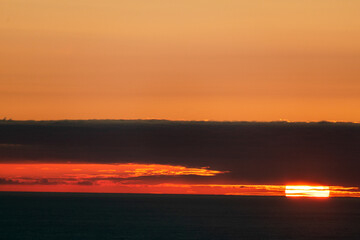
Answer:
x=249 y=153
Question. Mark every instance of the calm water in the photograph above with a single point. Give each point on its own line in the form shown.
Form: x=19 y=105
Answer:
x=126 y=216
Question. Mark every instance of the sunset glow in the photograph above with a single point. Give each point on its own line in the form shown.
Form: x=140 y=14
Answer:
x=181 y=119
x=69 y=173
x=185 y=60
x=307 y=191
x=143 y=178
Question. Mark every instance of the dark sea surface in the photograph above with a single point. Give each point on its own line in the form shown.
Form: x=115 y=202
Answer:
x=144 y=216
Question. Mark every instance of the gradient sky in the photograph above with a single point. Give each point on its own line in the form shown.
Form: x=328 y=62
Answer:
x=188 y=59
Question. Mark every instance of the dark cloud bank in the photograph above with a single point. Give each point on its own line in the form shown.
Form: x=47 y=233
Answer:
x=253 y=152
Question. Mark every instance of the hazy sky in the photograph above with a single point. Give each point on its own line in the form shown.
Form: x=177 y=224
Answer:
x=189 y=59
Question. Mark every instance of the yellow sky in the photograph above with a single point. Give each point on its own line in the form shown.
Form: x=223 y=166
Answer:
x=190 y=59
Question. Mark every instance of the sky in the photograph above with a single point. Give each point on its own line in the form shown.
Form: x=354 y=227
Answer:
x=231 y=60
x=254 y=96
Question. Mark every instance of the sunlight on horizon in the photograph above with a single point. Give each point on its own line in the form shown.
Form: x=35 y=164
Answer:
x=307 y=191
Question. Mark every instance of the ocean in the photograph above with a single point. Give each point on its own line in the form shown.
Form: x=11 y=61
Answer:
x=68 y=216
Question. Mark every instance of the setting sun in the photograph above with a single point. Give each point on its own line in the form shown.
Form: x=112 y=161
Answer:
x=307 y=191
x=182 y=119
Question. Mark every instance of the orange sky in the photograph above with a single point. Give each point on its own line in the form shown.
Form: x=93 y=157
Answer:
x=190 y=59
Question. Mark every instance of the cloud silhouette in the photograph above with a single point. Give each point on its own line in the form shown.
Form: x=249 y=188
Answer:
x=251 y=152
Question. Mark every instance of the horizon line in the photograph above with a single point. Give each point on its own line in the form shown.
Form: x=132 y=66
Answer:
x=5 y=119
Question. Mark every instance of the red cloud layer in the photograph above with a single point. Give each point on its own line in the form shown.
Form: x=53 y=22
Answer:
x=127 y=178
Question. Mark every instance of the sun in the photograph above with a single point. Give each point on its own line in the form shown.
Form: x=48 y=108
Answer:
x=307 y=191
